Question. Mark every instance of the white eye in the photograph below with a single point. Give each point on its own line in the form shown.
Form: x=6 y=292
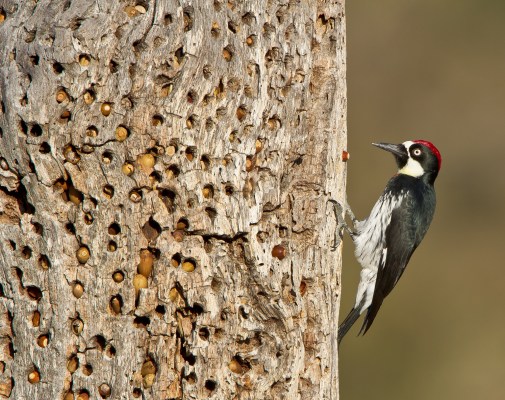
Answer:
x=416 y=152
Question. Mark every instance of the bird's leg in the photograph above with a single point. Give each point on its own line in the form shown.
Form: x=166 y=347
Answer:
x=340 y=214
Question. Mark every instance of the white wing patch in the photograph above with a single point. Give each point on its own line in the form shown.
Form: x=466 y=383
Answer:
x=370 y=243
x=384 y=255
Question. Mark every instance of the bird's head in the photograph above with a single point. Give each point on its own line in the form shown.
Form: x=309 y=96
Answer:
x=417 y=158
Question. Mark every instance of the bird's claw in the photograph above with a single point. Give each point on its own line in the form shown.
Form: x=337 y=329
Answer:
x=340 y=214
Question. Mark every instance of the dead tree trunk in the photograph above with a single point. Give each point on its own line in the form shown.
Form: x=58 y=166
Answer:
x=165 y=170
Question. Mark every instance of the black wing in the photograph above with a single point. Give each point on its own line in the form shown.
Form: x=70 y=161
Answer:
x=403 y=236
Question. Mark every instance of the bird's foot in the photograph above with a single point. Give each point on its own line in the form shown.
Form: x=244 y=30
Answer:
x=340 y=214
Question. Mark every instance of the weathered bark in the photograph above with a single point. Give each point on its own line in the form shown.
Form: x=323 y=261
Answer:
x=165 y=170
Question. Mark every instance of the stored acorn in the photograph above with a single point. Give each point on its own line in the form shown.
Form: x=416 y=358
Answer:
x=77 y=326
x=82 y=396
x=139 y=282
x=61 y=96
x=258 y=145
x=208 y=191
x=235 y=366
x=106 y=109
x=121 y=133
x=146 y=161
x=128 y=169
x=279 y=252
x=43 y=340
x=188 y=266
x=250 y=163
x=91 y=131
x=72 y=364
x=82 y=254
x=70 y=154
x=115 y=304
x=173 y=294
x=148 y=380
x=74 y=195
x=135 y=196
x=148 y=368
x=146 y=263
x=84 y=60
x=89 y=97
x=78 y=290
x=178 y=235
x=36 y=319
x=118 y=276
x=34 y=377
x=104 y=391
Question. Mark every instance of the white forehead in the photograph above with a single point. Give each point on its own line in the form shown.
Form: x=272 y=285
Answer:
x=407 y=144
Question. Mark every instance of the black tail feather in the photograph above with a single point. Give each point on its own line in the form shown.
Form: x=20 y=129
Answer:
x=347 y=323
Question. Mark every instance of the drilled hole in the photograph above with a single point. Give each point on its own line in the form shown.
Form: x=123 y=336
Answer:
x=176 y=260
x=84 y=60
x=108 y=191
x=167 y=19
x=88 y=219
x=190 y=153
x=44 y=262
x=205 y=162
x=160 y=309
x=191 y=96
x=58 y=68
x=179 y=54
x=23 y=127
x=34 y=293
x=167 y=196
x=188 y=18
x=70 y=227
x=36 y=130
x=210 y=385
x=44 y=148
x=110 y=351
x=215 y=30
x=92 y=131
x=38 y=228
x=232 y=26
x=204 y=333
x=228 y=53
x=114 y=229
x=211 y=212
x=173 y=171
x=151 y=229
x=191 y=378
x=157 y=120
x=113 y=66
x=26 y=252
x=98 y=342
x=208 y=191
x=111 y=246
x=107 y=157
x=141 y=322
x=229 y=190
x=116 y=304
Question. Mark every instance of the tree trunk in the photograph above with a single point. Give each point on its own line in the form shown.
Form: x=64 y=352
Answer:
x=164 y=183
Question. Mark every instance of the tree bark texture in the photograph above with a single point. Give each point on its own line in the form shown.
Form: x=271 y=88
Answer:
x=165 y=174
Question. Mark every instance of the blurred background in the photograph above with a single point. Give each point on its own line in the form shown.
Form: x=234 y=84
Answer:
x=431 y=70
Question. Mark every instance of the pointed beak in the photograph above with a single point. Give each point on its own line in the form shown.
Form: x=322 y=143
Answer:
x=398 y=150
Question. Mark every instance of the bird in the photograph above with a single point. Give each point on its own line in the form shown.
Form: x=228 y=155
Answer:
x=398 y=222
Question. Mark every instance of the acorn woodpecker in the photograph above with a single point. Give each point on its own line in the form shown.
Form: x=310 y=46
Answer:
x=385 y=241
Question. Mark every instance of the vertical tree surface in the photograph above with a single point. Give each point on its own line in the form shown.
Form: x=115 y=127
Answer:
x=165 y=174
